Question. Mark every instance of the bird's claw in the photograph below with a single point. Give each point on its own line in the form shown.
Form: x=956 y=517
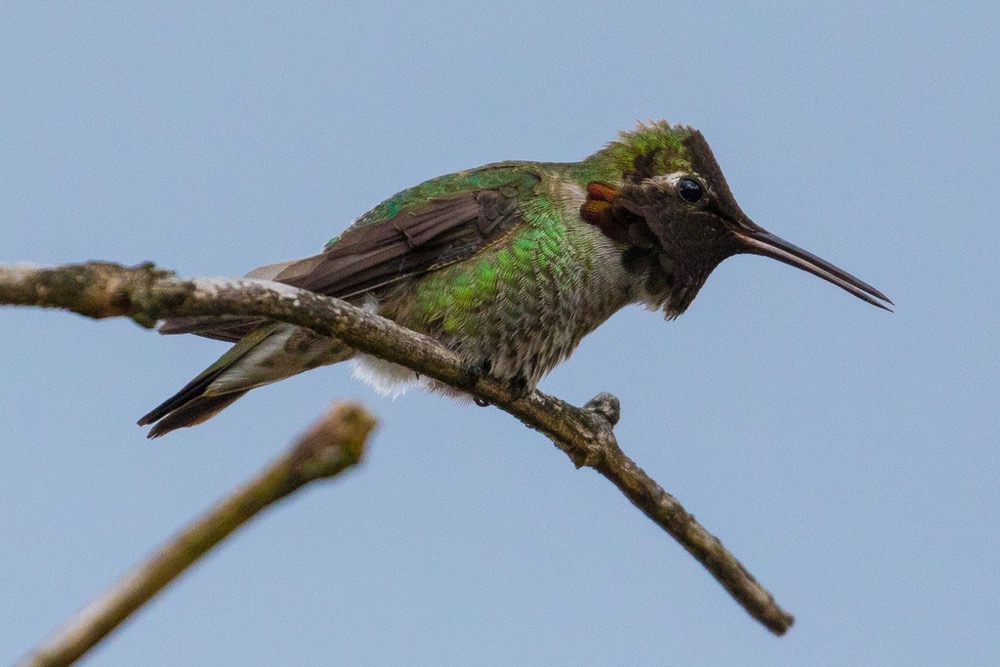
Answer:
x=517 y=385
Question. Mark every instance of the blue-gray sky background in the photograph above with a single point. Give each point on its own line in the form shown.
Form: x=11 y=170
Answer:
x=848 y=456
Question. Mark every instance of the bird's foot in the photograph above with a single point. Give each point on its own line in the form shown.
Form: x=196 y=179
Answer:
x=477 y=371
x=518 y=385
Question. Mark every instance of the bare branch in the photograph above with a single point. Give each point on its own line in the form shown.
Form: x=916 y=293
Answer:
x=334 y=443
x=146 y=294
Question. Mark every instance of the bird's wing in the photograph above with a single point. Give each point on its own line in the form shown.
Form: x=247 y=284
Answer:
x=406 y=236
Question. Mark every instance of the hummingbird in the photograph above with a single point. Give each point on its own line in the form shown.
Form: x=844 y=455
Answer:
x=508 y=265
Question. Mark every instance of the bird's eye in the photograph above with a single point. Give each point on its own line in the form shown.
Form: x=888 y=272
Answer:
x=690 y=190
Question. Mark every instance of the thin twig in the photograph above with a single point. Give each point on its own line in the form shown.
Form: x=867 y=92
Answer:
x=333 y=444
x=147 y=294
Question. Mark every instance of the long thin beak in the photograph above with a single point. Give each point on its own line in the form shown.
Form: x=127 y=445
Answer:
x=762 y=242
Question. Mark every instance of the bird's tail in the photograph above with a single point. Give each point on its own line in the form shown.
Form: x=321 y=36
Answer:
x=261 y=357
x=193 y=412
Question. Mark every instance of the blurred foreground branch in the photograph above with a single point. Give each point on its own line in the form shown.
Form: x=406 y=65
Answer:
x=146 y=294
x=333 y=444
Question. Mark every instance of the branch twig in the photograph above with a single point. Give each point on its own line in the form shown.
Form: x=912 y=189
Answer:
x=334 y=443
x=147 y=294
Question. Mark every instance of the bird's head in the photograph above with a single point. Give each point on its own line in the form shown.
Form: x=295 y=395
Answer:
x=662 y=195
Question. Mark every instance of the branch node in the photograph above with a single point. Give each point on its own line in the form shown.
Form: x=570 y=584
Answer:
x=146 y=309
x=606 y=406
